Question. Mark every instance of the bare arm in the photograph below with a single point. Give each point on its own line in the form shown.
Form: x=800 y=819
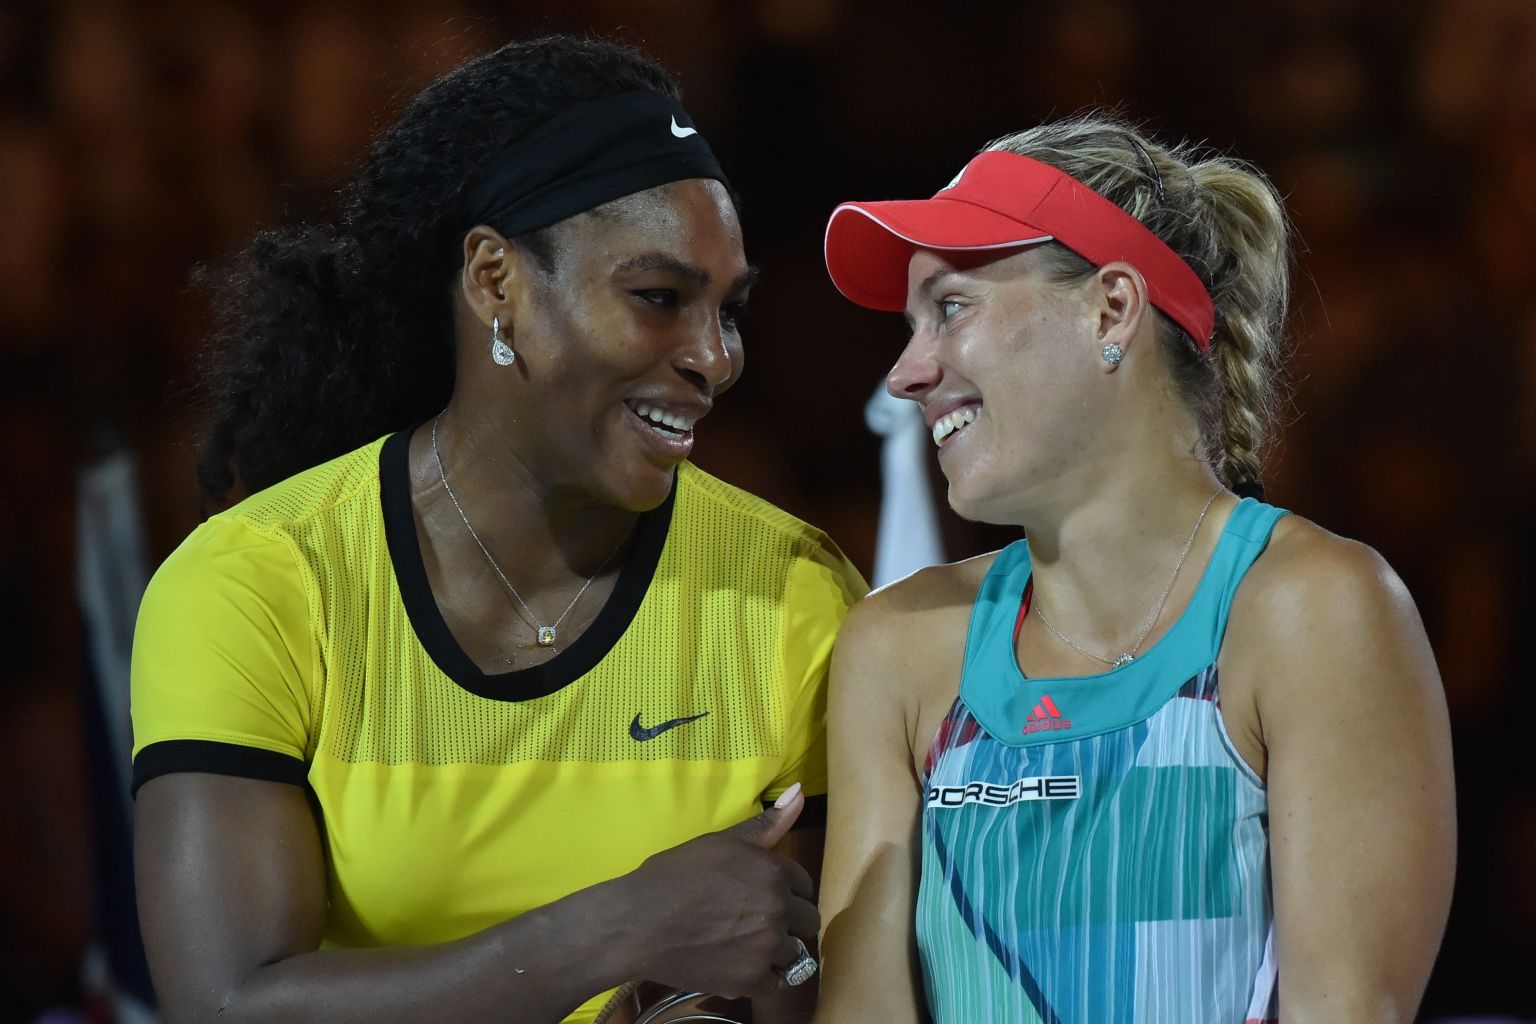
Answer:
x=1362 y=809
x=231 y=881
x=869 y=888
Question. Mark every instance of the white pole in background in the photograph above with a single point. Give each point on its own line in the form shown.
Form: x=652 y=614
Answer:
x=909 y=525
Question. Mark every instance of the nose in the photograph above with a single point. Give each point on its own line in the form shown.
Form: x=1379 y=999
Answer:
x=706 y=357
x=917 y=371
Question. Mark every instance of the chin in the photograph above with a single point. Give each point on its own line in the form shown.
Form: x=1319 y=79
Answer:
x=982 y=505
x=966 y=506
x=644 y=489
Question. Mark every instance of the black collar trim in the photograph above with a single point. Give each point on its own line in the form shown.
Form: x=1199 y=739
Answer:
x=520 y=684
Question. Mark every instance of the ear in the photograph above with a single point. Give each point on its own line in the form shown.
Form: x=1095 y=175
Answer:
x=493 y=268
x=1121 y=307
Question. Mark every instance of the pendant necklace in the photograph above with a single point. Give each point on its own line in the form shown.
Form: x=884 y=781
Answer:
x=1157 y=612
x=547 y=635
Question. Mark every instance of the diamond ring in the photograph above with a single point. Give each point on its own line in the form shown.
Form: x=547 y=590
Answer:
x=801 y=971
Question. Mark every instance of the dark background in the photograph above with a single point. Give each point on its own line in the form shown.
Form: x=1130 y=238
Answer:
x=139 y=139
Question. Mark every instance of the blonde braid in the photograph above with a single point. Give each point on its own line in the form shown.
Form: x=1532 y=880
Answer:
x=1251 y=302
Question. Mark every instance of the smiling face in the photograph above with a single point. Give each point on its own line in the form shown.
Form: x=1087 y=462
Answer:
x=996 y=361
x=623 y=345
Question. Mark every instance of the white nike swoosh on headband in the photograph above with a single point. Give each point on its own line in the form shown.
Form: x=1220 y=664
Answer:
x=681 y=132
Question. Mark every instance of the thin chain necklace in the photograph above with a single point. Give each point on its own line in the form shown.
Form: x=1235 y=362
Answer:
x=1157 y=612
x=547 y=635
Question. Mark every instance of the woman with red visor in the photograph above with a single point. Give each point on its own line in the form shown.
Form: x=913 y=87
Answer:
x=1177 y=757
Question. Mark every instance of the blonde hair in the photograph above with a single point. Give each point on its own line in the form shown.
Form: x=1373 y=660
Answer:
x=1226 y=220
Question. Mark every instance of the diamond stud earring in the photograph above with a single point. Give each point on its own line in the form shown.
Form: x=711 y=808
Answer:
x=1112 y=354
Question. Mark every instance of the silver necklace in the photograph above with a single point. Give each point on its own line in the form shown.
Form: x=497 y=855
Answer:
x=1157 y=612
x=547 y=635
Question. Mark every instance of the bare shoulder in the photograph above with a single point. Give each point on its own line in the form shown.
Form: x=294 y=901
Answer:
x=932 y=604
x=935 y=591
x=1322 y=612
x=1316 y=584
x=901 y=648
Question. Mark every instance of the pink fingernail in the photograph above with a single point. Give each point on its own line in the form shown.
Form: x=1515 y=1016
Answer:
x=786 y=796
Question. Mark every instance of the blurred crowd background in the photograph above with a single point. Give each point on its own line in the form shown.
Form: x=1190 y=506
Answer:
x=140 y=138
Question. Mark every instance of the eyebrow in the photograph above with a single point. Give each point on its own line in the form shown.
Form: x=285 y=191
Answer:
x=671 y=264
x=934 y=278
x=927 y=285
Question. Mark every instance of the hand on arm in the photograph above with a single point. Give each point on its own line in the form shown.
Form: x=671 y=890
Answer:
x=231 y=878
x=726 y=906
x=821 y=588
x=1362 y=809
x=804 y=845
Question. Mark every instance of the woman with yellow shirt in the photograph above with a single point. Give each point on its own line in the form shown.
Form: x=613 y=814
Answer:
x=472 y=707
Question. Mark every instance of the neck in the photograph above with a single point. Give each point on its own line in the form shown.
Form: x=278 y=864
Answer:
x=542 y=538
x=1103 y=559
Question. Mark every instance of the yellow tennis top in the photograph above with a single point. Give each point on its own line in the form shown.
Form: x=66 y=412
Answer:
x=295 y=638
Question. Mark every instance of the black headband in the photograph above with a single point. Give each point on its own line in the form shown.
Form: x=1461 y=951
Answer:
x=588 y=155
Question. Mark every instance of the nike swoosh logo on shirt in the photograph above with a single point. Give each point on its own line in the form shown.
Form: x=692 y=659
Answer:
x=681 y=132
x=641 y=733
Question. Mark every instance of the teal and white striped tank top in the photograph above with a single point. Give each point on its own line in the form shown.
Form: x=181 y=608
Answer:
x=1095 y=851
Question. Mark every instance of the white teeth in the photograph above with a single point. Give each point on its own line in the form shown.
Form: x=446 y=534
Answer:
x=647 y=411
x=948 y=424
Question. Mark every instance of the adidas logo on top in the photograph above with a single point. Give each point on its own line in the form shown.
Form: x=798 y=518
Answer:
x=1045 y=717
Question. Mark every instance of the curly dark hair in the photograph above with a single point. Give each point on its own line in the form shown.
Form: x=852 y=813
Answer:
x=329 y=336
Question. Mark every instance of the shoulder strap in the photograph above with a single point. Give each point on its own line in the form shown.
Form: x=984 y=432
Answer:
x=989 y=657
x=1001 y=698
x=1246 y=536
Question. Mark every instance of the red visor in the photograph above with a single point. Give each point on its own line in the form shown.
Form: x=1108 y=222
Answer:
x=1004 y=201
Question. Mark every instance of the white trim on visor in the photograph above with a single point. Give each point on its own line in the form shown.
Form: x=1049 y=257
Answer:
x=855 y=208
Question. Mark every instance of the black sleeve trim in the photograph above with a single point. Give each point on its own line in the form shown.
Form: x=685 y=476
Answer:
x=171 y=756
x=812 y=815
